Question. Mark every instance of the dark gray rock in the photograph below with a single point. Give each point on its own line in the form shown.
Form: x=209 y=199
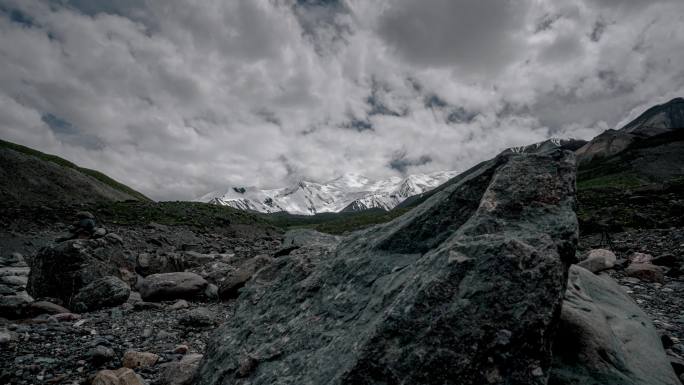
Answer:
x=180 y=372
x=170 y=286
x=605 y=338
x=102 y=293
x=148 y=264
x=15 y=306
x=61 y=271
x=198 y=317
x=236 y=279
x=464 y=289
x=45 y=307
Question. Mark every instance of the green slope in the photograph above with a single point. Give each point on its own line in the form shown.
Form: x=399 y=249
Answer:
x=65 y=163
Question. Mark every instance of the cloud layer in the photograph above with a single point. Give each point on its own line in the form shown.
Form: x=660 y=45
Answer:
x=178 y=100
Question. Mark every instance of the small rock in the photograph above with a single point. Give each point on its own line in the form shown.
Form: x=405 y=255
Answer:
x=645 y=272
x=101 y=355
x=122 y=376
x=104 y=292
x=5 y=337
x=211 y=292
x=114 y=238
x=45 y=307
x=180 y=304
x=181 y=349
x=168 y=286
x=198 y=317
x=598 y=260
x=133 y=359
x=180 y=372
x=640 y=258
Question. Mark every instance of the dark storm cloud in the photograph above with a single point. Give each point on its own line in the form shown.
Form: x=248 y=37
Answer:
x=402 y=164
x=474 y=34
x=178 y=99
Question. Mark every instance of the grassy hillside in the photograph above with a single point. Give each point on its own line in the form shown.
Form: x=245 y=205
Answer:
x=65 y=163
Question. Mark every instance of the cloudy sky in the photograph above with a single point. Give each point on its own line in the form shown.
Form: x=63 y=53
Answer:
x=178 y=98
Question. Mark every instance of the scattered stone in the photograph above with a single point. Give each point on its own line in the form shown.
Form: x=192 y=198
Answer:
x=148 y=264
x=640 y=258
x=122 y=376
x=101 y=355
x=198 y=317
x=102 y=293
x=645 y=272
x=143 y=305
x=180 y=304
x=45 y=307
x=170 y=286
x=65 y=317
x=598 y=260
x=211 y=292
x=133 y=359
x=181 y=349
x=5 y=337
x=180 y=372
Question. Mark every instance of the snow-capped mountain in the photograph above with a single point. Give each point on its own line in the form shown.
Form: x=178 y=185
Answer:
x=350 y=192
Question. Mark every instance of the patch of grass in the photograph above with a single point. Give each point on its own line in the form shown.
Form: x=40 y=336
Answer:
x=611 y=181
x=334 y=223
x=176 y=213
x=65 y=163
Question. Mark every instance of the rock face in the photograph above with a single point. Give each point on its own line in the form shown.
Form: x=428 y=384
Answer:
x=604 y=338
x=169 y=286
x=104 y=292
x=61 y=271
x=464 y=289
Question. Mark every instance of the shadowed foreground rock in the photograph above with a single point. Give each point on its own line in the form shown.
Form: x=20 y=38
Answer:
x=605 y=338
x=465 y=289
x=63 y=270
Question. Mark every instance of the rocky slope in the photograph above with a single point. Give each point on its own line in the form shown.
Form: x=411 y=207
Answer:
x=658 y=120
x=31 y=177
x=350 y=192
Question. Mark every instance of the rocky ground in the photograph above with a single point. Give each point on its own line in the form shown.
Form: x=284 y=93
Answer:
x=72 y=348
x=662 y=300
x=53 y=344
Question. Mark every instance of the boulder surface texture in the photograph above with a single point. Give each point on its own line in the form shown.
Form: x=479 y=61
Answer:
x=464 y=289
x=605 y=338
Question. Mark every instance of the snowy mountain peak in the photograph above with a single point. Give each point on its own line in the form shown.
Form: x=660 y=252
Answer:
x=348 y=192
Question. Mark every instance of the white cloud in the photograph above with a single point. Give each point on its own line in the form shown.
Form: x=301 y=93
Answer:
x=177 y=100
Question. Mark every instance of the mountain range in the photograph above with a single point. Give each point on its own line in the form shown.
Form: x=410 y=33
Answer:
x=349 y=192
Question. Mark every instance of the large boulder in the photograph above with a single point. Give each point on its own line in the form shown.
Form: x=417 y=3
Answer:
x=464 y=289
x=101 y=293
x=169 y=286
x=61 y=271
x=605 y=338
